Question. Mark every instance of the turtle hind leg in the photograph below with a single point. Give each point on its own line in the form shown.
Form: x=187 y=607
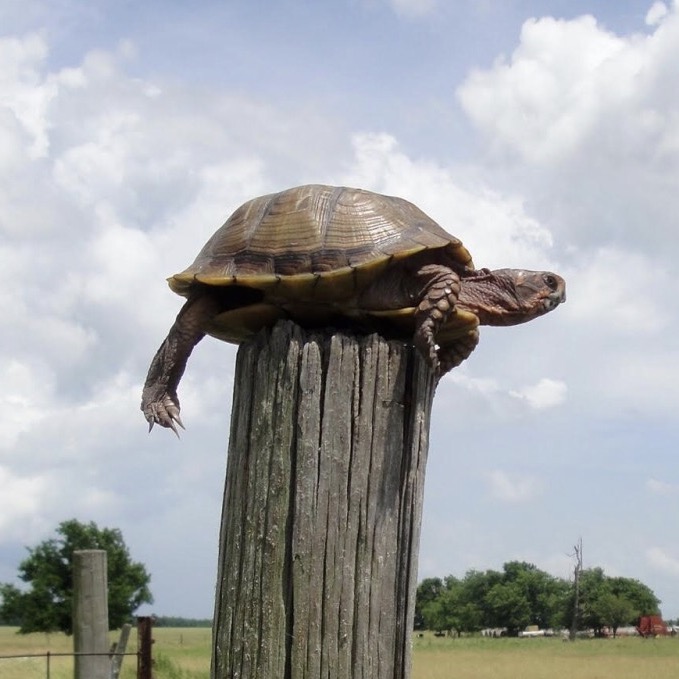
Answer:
x=159 y=402
x=451 y=355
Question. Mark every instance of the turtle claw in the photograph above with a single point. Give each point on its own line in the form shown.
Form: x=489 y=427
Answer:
x=173 y=421
x=165 y=412
x=174 y=429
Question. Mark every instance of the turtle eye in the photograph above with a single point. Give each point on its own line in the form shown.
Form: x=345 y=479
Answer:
x=550 y=281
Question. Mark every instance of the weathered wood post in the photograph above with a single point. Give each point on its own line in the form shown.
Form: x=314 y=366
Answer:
x=322 y=508
x=90 y=614
x=119 y=651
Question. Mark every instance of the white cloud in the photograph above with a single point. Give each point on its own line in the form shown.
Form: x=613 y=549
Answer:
x=26 y=393
x=117 y=261
x=485 y=386
x=586 y=121
x=661 y=560
x=496 y=228
x=624 y=292
x=621 y=314
x=476 y=398
x=21 y=497
x=545 y=100
x=590 y=118
x=545 y=394
x=104 y=212
x=22 y=59
x=571 y=80
x=656 y=13
x=512 y=487
x=658 y=487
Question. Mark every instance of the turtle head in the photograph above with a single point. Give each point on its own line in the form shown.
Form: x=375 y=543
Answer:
x=511 y=296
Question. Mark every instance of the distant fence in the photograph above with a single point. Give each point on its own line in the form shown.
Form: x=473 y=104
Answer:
x=48 y=655
x=143 y=654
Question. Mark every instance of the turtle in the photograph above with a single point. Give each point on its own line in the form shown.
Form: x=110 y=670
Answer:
x=329 y=256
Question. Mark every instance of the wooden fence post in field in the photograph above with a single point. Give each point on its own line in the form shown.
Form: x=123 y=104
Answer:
x=118 y=654
x=322 y=508
x=90 y=614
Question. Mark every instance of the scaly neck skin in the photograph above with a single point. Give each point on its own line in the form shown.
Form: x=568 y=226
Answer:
x=507 y=296
x=486 y=297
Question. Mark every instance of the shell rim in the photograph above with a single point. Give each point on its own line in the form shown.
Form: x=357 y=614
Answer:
x=183 y=282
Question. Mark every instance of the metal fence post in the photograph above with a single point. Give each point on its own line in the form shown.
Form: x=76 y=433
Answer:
x=145 y=643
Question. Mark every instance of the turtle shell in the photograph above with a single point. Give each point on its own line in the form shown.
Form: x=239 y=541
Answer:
x=311 y=247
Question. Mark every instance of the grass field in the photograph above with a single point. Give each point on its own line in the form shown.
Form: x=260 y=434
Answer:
x=546 y=658
x=185 y=654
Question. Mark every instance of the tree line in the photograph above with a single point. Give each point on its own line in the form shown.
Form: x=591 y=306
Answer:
x=514 y=598
x=179 y=621
x=44 y=603
x=521 y=595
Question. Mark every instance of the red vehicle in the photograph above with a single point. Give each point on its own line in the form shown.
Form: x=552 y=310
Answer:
x=652 y=626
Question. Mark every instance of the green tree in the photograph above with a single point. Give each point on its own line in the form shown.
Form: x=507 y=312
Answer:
x=434 y=617
x=442 y=614
x=592 y=584
x=543 y=593
x=463 y=613
x=475 y=588
x=605 y=599
x=48 y=571
x=471 y=614
x=614 y=611
x=509 y=607
x=452 y=610
x=641 y=597
x=521 y=595
x=427 y=591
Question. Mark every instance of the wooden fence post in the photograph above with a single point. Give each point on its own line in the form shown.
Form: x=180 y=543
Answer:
x=119 y=650
x=322 y=508
x=90 y=614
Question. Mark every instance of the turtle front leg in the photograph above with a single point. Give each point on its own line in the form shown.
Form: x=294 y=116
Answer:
x=159 y=401
x=437 y=303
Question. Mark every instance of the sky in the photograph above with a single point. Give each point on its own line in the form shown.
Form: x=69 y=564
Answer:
x=543 y=133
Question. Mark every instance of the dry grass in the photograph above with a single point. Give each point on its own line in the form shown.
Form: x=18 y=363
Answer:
x=61 y=667
x=29 y=668
x=542 y=658
x=179 y=654
x=185 y=654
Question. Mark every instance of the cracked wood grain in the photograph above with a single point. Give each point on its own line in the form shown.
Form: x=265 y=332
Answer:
x=322 y=508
